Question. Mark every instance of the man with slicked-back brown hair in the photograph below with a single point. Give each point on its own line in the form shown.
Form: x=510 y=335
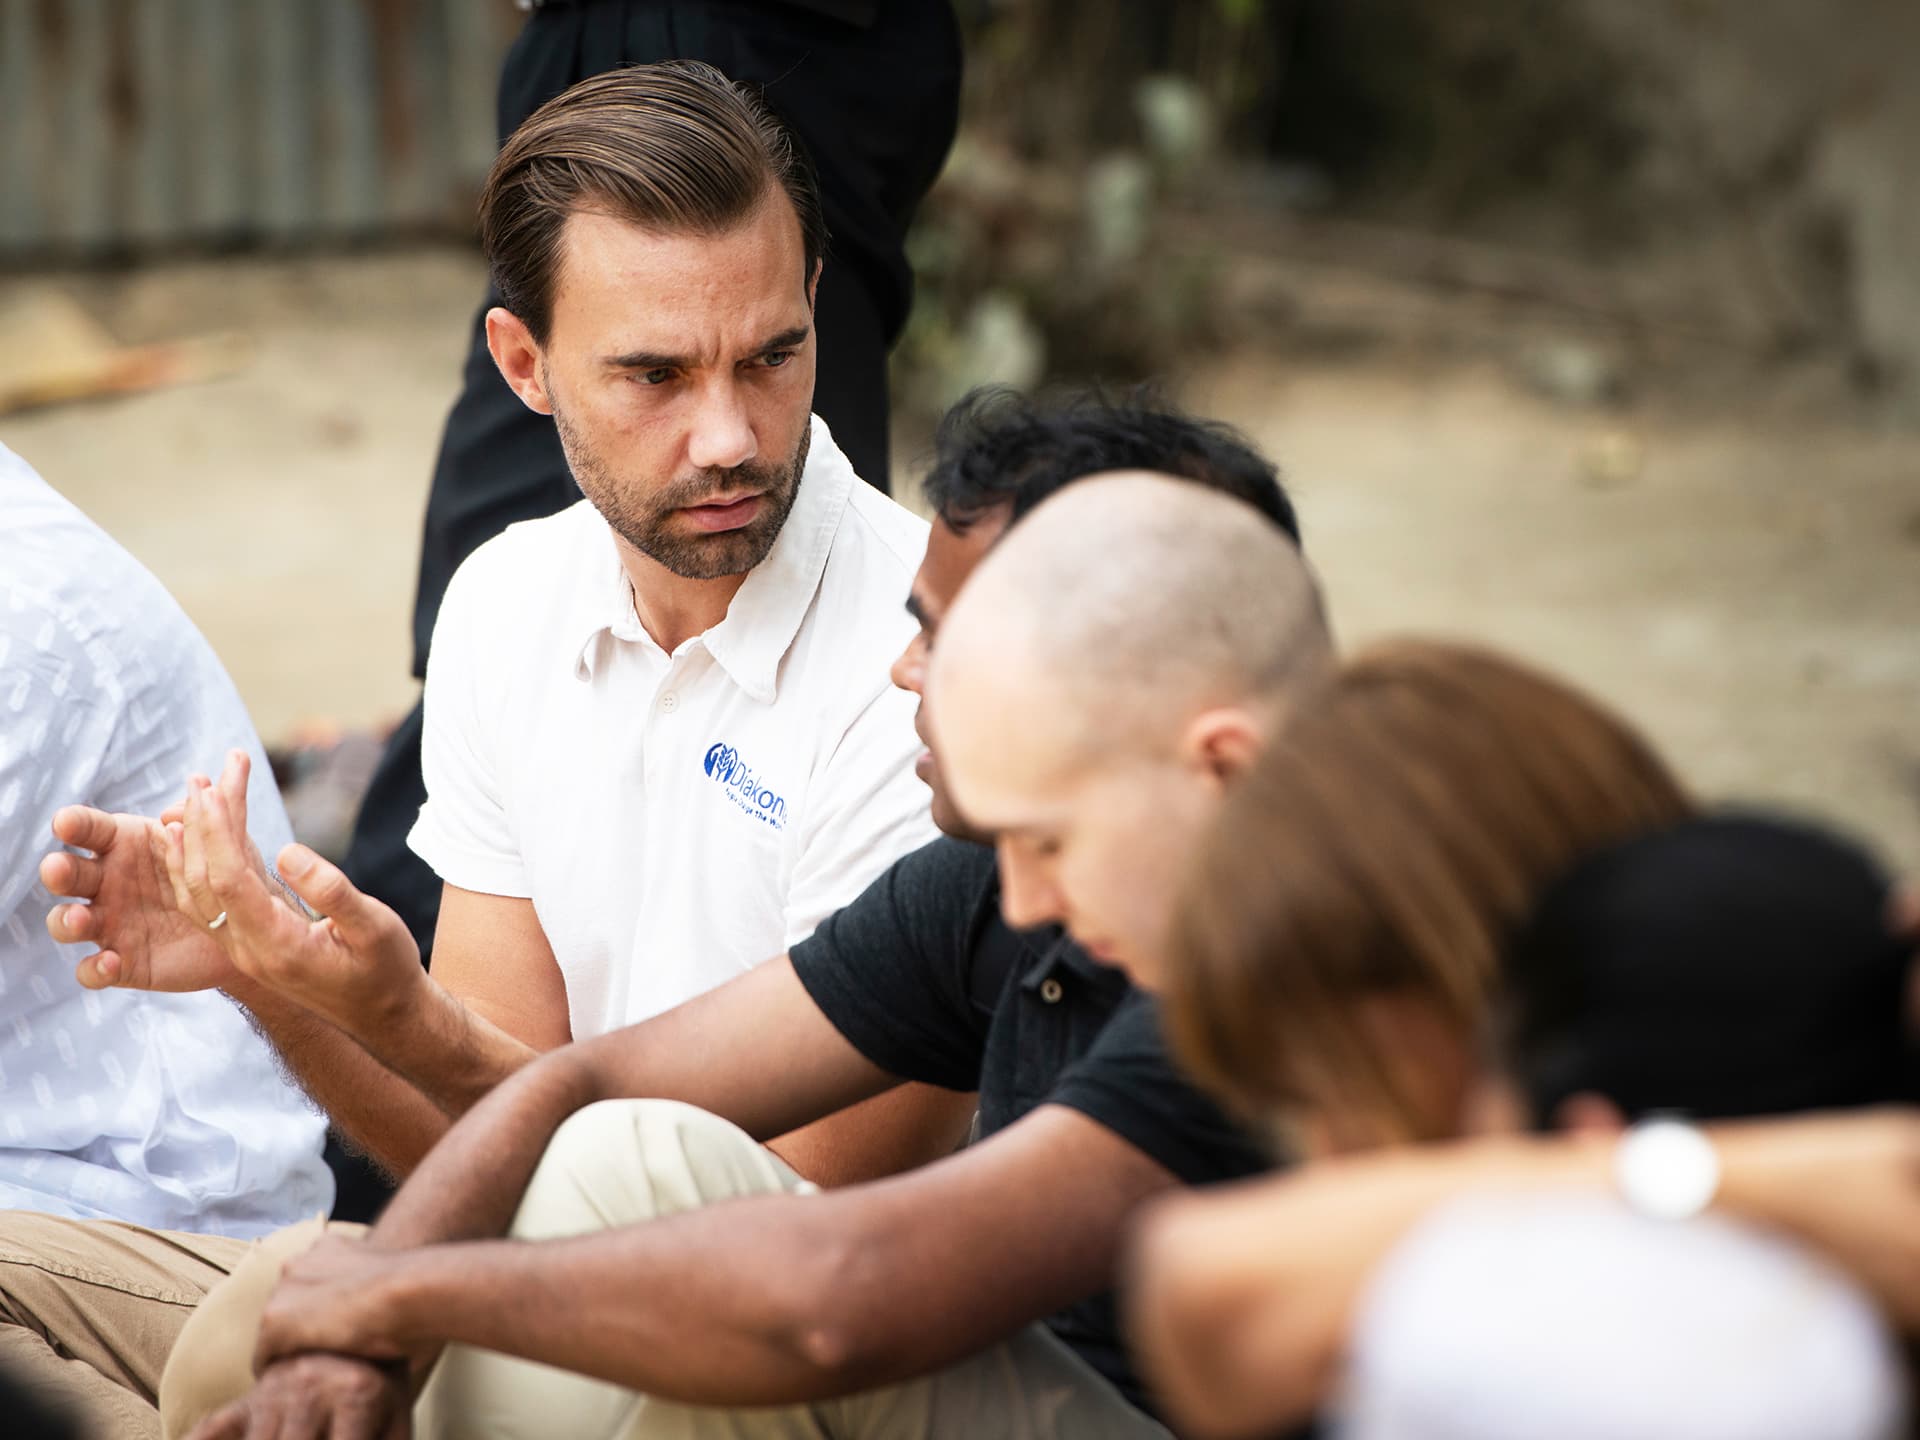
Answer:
x=660 y=743
x=872 y=92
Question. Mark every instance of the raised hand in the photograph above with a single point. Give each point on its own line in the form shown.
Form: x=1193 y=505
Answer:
x=357 y=966
x=146 y=941
x=317 y=1397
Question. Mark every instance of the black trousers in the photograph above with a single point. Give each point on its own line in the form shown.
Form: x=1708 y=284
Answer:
x=876 y=107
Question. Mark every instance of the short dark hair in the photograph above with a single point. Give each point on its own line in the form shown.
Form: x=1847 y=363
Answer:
x=998 y=448
x=1729 y=966
x=674 y=146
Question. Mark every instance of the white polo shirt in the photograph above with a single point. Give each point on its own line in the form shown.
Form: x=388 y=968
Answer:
x=675 y=819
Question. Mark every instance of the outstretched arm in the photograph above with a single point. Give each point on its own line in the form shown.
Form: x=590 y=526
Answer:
x=1240 y=1300
x=772 y=1300
x=390 y=1053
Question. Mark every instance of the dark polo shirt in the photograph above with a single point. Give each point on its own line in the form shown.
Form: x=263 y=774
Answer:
x=927 y=981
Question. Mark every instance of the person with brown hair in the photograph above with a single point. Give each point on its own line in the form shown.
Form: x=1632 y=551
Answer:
x=872 y=92
x=1733 y=966
x=1332 y=968
x=660 y=742
x=1390 y=836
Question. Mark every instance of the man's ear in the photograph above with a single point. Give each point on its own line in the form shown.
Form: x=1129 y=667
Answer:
x=517 y=354
x=1223 y=743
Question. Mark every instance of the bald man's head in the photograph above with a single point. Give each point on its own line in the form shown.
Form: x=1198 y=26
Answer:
x=1112 y=664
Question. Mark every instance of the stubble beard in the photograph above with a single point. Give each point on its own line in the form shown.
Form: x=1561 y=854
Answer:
x=645 y=522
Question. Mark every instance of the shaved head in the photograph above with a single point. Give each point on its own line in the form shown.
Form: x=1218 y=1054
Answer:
x=1121 y=652
x=1131 y=601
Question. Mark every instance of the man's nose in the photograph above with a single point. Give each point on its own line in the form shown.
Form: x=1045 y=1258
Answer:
x=909 y=671
x=722 y=434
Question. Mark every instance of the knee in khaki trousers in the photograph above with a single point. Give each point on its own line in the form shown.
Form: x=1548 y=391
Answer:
x=89 y=1310
x=625 y=1162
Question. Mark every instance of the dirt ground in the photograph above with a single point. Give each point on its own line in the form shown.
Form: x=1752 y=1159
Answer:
x=1742 y=581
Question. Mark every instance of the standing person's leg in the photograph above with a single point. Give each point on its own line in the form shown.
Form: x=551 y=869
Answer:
x=851 y=393
x=90 y=1309
x=627 y=1162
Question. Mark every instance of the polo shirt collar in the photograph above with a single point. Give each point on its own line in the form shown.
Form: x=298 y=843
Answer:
x=1064 y=954
x=761 y=623
x=766 y=612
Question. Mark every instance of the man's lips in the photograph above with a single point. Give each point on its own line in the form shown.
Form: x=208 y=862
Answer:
x=729 y=515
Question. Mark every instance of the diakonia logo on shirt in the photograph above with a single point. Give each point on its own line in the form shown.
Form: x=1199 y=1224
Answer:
x=743 y=787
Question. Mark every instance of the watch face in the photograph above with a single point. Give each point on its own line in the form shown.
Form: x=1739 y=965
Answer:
x=1666 y=1169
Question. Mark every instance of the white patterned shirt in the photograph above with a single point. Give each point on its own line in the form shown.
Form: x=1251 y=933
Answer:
x=676 y=819
x=163 y=1110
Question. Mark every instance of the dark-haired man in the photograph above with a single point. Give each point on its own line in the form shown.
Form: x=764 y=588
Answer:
x=779 y=1300
x=997 y=455
x=660 y=742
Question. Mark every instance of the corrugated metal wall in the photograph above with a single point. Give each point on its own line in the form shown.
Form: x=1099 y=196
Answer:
x=128 y=124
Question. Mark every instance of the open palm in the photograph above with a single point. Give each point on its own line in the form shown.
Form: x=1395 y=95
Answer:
x=131 y=912
x=358 y=966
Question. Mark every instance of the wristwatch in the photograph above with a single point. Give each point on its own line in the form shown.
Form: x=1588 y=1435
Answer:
x=1666 y=1169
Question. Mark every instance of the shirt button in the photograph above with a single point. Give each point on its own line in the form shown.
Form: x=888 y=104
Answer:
x=1051 y=991
x=669 y=702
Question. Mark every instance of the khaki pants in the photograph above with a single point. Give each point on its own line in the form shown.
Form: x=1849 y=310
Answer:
x=623 y=1162
x=89 y=1310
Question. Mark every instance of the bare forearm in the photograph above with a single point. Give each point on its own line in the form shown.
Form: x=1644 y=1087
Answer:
x=379 y=1111
x=1241 y=1300
x=724 y=1307
x=778 y=1299
x=764 y=1299
x=455 y=1057
x=394 y=1087
x=470 y=1186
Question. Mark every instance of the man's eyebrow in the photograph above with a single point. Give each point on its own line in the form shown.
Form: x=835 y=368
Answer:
x=919 y=611
x=647 y=360
x=785 y=340
x=651 y=360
